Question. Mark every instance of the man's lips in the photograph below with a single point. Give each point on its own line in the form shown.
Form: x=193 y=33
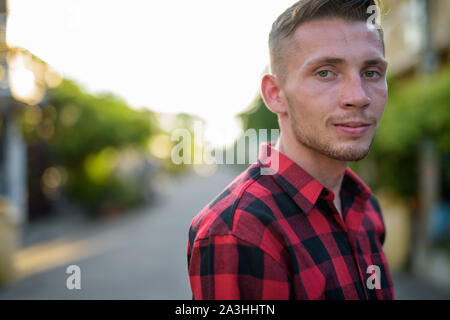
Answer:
x=353 y=128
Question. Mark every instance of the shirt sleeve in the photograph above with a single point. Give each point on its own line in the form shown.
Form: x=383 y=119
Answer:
x=228 y=268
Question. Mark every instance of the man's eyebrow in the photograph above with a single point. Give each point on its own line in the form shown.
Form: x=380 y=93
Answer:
x=335 y=60
x=373 y=62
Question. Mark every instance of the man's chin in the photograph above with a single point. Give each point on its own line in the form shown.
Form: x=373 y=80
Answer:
x=351 y=157
x=348 y=154
x=342 y=151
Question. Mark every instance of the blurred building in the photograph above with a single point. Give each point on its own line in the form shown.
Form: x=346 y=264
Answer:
x=24 y=80
x=412 y=28
x=12 y=145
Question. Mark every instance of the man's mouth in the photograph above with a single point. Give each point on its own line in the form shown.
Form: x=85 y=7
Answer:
x=353 y=128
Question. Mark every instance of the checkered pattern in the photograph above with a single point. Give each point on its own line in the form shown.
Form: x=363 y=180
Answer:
x=280 y=237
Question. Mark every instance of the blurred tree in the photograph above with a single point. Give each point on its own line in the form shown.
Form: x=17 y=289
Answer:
x=88 y=123
x=84 y=136
x=258 y=116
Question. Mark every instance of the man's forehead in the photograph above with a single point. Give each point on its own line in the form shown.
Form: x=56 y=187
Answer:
x=333 y=33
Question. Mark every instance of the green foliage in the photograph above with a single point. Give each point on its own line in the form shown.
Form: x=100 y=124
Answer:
x=85 y=134
x=96 y=195
x=258 y=116
x=417 y=109
x=89 y=123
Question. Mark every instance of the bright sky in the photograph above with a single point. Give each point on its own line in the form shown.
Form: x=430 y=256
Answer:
x=204 y=57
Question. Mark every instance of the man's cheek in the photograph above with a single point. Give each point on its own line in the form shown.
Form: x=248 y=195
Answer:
x=380 y=93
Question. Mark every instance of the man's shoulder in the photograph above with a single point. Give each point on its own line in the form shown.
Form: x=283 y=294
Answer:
x=241 y=202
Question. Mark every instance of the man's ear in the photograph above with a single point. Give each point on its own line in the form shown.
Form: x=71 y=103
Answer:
x=272 y=94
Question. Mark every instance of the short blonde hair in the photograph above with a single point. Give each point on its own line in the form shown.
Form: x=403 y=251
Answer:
x=308 y=10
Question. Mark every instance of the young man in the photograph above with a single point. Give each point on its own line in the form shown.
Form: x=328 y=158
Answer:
x=313 y=229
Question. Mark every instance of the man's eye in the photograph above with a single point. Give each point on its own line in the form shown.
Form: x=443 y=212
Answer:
x=324 y=73
x=372 y=74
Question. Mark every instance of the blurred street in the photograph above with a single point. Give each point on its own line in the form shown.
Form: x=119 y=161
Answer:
x=141 y=255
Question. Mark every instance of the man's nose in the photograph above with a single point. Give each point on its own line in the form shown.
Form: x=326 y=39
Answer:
x=354 y=94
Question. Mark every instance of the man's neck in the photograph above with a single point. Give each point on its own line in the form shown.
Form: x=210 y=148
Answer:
x=329 y=172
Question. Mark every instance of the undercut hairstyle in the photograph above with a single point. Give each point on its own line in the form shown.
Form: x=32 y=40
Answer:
x=308 y=10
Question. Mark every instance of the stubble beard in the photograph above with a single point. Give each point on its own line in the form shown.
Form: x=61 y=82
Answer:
x=342 y=152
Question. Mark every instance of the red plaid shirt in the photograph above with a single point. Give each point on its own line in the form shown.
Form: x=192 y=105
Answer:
x=280 y=237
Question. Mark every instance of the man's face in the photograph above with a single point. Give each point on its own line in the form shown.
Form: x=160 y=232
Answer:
x=335 y=88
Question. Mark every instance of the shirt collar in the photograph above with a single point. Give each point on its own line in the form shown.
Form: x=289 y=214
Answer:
x=299 y=184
